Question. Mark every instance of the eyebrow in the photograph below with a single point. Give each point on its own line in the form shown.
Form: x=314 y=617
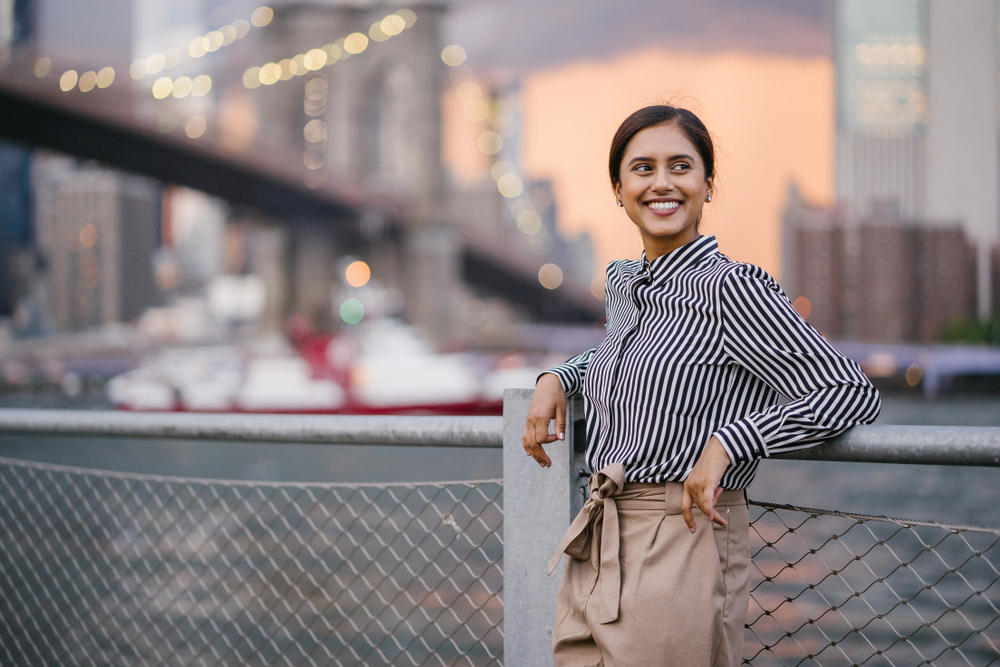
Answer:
x=681 y=156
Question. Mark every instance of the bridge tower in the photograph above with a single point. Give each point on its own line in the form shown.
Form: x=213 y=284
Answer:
x=379 y=141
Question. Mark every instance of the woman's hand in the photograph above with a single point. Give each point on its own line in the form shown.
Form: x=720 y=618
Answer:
x=702 y=486
x=548 y=403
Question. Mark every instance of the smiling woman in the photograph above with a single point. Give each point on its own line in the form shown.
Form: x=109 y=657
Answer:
x=681 y=403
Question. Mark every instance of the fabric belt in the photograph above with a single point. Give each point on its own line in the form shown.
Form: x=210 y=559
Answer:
x=595 y=533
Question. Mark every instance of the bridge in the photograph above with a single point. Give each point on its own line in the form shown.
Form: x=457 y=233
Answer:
x=109 y=126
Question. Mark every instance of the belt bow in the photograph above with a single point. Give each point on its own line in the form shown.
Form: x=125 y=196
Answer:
x=595 y=534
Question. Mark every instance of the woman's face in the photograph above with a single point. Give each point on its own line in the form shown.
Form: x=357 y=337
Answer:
x=663 y=188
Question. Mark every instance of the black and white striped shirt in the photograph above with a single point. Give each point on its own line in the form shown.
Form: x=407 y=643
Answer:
x=699 y=345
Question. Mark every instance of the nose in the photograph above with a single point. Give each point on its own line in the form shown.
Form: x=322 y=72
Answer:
x=664 y=181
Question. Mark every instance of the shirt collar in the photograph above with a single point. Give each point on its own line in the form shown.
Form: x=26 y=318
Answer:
x=677 y=260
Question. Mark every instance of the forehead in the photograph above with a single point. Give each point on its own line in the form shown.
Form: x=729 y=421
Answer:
x=660 y=141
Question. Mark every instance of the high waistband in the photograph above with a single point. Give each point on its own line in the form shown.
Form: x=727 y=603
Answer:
x=595 y=532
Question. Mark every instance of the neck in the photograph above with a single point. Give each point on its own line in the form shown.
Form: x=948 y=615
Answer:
x=660 y=246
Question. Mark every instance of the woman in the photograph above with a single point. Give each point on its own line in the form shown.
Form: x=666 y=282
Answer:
x=681 y=404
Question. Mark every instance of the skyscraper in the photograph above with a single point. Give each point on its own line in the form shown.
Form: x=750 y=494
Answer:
x=917 y=99
x=98 y=229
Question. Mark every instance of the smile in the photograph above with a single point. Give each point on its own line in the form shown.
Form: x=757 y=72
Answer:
x=663 y=205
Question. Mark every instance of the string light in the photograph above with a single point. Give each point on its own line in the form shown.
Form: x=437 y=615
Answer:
x=201 y=45
x=324 y=56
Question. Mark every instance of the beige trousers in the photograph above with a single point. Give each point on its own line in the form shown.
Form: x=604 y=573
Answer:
x=681 y=598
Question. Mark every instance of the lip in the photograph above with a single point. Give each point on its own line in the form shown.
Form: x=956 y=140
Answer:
x=665 y=213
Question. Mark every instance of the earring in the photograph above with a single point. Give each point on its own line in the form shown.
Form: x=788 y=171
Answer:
x=619 y=203
x=708 y=198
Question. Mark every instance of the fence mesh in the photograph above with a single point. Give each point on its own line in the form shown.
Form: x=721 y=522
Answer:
x=118 y=569
x=103 y=568
x=830 y=588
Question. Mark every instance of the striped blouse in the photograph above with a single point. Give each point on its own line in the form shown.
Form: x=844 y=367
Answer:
x=699 y=345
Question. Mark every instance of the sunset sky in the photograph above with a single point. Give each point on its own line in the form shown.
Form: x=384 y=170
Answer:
x=771 y=116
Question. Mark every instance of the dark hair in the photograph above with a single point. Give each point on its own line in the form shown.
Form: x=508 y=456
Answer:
x=661 y=114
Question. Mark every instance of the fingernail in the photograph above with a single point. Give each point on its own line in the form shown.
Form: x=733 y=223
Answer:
x=562 y=436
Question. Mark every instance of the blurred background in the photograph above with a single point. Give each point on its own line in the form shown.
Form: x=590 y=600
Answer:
x=369 y=207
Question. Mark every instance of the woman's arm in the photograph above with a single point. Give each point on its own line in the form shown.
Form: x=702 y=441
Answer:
x=828 y=392
x=549 y=402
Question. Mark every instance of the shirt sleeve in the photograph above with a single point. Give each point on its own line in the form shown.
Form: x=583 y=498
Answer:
x=828 y=393
x=572 y=372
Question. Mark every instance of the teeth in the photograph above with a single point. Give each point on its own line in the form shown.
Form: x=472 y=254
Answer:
x=663 y=205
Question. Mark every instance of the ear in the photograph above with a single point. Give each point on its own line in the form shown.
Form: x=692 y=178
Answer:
x=618 y=192
x=710 y=185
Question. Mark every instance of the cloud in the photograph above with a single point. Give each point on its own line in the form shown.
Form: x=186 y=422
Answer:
x=526 y=35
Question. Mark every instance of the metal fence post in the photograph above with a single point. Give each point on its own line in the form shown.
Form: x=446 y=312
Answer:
x=537 y=505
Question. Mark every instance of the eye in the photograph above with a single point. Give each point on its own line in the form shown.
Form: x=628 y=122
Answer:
x=681 y=166
x=642 y=167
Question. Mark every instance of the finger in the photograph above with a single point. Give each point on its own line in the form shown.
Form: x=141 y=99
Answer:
x=540 y=426
x=561 y=422
x=686 y=509
x=535 y=450
x=707 y=505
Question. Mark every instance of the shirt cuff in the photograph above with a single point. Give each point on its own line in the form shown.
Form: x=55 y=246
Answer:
x=569 y=378
x=742 y=441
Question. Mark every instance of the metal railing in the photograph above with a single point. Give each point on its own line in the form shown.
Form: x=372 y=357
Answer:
x=136 y=569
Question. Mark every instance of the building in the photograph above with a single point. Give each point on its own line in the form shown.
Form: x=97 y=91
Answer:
x=98 y=230
x=881 y=278
x=917 y=100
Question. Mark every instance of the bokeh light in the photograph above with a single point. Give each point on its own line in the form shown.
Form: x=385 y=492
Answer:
x=67 y=81
x=198 y=47
x=201 y=85
x=355 y=43
x=182 y=87
x=242 y=27
x=510 y=186
x=315 y=131
x=162 y=87
x=155 y=63
x=105 y=77
x=550 y=276
x=393 y=24
x=453 y=55
x=529 y=222
x=501 y=168
x=352 y=311
x=42 y=67
x=357 y=274
x=262 y=16
x=914 y=374
x=597 y=287
x=376 y=33
x=215 y=40
x=138 y=69
x=314 y=59
x=270 y=73
x=490 y=143
x=168 y=121
x=477 y=111
x=251 y=78
x=195 y=127
x=87 y=81
x=409 y=17
x=88 y=235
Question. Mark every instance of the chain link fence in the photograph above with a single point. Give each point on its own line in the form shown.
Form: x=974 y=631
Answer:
x=832 y=588
x=101 y=568
x=122 y=569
